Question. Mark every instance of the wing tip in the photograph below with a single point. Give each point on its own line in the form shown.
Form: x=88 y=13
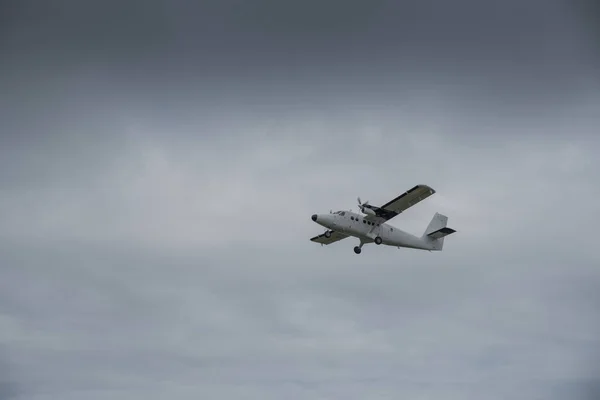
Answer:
x=423 y=186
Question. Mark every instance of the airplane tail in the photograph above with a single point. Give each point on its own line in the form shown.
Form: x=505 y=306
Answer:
x=437 y=230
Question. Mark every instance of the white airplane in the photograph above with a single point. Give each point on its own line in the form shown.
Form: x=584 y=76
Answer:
x=372 y=226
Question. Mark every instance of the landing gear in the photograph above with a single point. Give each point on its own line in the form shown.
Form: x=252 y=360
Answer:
x=328 y=234
x=358 y=248
x=378 y=240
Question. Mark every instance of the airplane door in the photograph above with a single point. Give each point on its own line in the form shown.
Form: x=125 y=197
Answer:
x=348 y=223
x=343 y=222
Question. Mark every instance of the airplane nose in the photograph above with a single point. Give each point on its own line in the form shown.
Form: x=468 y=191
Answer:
x=314 y=217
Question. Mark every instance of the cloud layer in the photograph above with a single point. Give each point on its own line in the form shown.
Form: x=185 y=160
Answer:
x=157 y=180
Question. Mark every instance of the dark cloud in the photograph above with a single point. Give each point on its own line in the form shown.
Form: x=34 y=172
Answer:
x=307 y=41
x=177 y=61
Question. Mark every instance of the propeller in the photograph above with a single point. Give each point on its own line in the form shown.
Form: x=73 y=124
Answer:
x=361 y=205
x=364 y=207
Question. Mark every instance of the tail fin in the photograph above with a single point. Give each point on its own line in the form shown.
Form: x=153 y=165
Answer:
x=437 y=230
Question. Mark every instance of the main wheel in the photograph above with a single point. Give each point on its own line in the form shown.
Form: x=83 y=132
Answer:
x=328 y=234
x=357 y=250
x=378 y=240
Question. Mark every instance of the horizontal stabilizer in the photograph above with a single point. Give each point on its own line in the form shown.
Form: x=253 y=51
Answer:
x=440 y=233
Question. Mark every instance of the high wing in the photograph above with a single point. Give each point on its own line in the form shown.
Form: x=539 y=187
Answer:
x=401 y=203
x=335 y=236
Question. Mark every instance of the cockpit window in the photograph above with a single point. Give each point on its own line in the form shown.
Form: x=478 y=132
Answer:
x=342 y=213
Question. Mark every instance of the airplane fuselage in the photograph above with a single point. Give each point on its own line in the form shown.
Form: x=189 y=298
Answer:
x=368 y=230
x=372 y=226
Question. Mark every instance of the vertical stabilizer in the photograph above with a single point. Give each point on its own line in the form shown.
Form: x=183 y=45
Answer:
x=437 y=230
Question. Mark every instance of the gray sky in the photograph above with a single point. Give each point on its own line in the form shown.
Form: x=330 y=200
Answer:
x=159 y=163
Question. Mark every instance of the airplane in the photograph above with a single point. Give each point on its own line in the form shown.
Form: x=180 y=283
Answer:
x=372 y=227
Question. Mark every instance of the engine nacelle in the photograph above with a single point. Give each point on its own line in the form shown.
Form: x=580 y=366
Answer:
x=368 y=211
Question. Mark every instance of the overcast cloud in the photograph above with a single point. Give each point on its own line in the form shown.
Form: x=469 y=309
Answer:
x=160 y=160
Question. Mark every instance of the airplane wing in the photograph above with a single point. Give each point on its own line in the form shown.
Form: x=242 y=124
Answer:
x=403 y=202
x=335 y=236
